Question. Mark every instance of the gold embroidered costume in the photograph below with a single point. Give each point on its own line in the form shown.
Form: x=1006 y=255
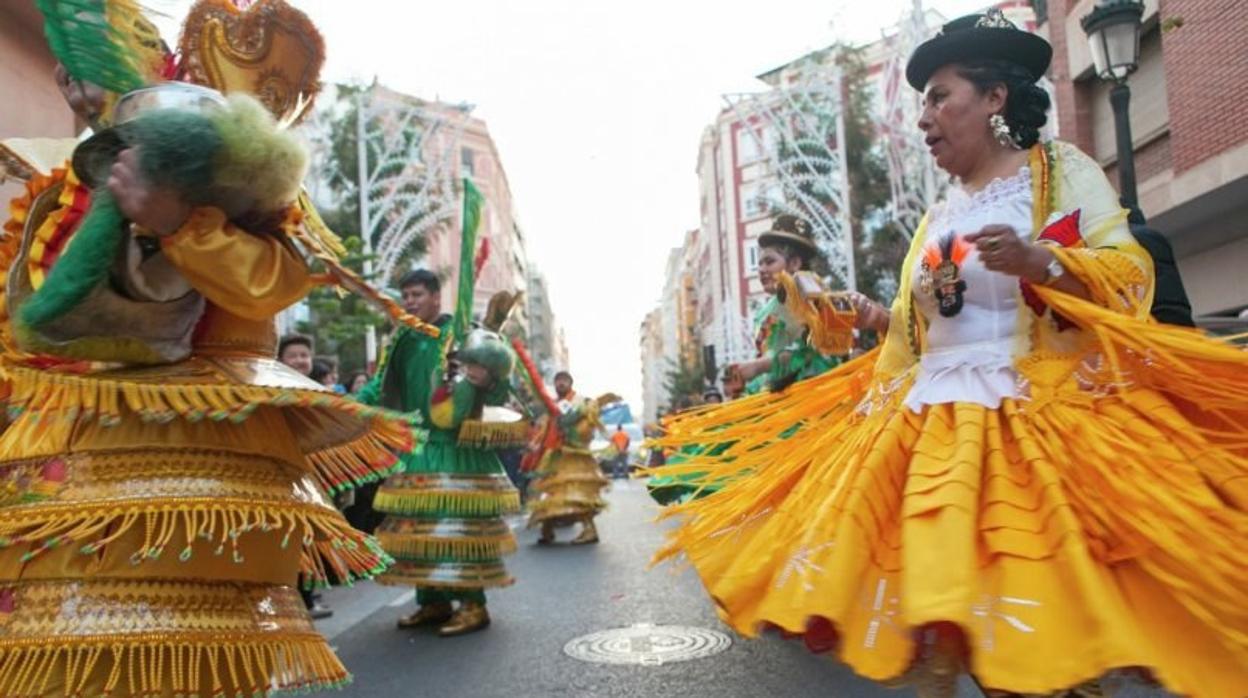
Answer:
x=165 y=480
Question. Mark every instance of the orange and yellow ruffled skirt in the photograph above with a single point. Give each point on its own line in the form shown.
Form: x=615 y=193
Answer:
x=1062 y=537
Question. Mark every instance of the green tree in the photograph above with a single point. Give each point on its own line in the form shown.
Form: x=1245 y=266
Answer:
x=880 y=246
x=684 y=382
x=343 y=168
x=339 y=322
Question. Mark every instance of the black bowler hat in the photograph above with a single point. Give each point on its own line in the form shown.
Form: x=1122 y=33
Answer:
x=975 y=37
x=787 y=229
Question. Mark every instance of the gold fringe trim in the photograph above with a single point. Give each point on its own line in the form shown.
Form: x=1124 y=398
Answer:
x=493 y=435
x=558 y=481
x=96 y=395
x=409 y=547
x=564 y=512
x=447 y=575
x=367 y=459
x=329 y=545
x=216 y=665
x=828 y=317
x=443 y=503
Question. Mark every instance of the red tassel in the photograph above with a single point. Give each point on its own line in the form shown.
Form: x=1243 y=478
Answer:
x=483 y=254
x=1064 y=232
x=552 y=438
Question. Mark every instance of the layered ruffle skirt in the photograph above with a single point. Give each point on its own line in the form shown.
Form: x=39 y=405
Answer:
x=1064 y=536
x=569 y=487
x=154 y=523
x=444 y=522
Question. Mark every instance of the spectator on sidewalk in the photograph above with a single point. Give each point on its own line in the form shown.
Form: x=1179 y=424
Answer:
x=296 y=351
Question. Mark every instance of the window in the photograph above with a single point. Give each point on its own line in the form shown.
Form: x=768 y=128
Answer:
x=751 y=256
x=756 y=200
x=466 y=162
x=748 y=149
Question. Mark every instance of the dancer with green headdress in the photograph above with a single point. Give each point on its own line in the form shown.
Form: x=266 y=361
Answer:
x=786 y=351
x=444 y=510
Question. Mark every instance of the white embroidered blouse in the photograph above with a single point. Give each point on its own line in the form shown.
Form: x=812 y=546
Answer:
x=969 y=353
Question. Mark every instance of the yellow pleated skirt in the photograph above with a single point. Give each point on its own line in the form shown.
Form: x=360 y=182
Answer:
x=1063 y=538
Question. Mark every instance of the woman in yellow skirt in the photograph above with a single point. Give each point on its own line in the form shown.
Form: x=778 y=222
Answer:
x=1029 y=480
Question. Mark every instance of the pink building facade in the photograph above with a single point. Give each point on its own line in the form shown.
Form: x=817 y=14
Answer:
x=31 y=105
x=506 y=268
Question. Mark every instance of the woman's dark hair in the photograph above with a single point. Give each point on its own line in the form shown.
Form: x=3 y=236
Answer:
x=1026 y=105
x=421 y=277
x=321 y=368
x=355 y=375
x=291 y=340
x=811 y=261
x=791 y=252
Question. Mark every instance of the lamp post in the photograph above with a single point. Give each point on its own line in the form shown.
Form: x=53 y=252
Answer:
x=1113 y=29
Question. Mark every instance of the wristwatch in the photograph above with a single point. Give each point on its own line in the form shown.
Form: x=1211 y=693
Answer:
x=1053 y=271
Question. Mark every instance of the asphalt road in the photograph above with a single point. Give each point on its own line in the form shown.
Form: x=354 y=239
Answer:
x=563 y=593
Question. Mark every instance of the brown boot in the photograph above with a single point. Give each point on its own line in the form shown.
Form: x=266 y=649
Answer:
x=469 y=618
x=429 y=614
x=548 y=534
x=589 y=534
x=941 y=659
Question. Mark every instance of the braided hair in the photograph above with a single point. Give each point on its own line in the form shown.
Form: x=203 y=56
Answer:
x=1026 y=103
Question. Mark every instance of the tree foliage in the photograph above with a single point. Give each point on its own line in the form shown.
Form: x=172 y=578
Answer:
x=338 y=323
x=684 y=382
x=387 y=150
x=880 y=246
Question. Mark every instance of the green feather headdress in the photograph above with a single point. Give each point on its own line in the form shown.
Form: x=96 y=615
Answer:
x=106 y=42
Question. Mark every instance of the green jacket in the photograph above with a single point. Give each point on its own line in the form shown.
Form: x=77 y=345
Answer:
x=776 y=333
x=409 y=373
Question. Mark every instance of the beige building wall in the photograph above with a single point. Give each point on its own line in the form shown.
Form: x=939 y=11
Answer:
x=31 y=106
x=653 y=396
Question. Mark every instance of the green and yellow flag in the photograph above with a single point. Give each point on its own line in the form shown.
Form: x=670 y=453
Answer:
x=467 y=255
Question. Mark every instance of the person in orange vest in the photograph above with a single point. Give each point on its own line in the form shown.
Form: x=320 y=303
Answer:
x=621 y=441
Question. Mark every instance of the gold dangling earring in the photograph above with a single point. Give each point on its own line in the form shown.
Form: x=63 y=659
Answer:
x=1001 y=131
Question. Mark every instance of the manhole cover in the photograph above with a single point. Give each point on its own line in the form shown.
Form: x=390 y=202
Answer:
x=647 y=645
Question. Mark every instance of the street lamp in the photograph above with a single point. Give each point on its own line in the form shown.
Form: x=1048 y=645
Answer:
x=1113 y=29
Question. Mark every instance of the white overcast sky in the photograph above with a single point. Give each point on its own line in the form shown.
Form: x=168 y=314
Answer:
x=597 y=108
